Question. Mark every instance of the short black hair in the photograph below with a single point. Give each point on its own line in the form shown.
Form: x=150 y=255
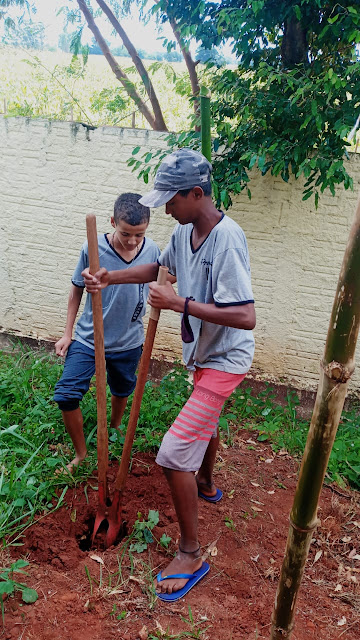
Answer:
x=128 y=208
x=205 y=187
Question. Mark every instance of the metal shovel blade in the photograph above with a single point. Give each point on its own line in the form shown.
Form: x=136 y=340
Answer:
x=114 y=520
x=102 y=511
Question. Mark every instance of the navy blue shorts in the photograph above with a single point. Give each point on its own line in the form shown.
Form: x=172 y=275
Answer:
x=79 y=368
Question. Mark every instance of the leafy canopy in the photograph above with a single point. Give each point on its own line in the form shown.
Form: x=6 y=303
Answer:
x=294 y=95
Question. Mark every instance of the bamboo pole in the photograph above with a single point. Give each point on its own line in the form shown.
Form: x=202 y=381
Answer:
x=336 y=369
x=205 y=124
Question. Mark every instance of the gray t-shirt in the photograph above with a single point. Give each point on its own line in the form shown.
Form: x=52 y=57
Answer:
x=123 y=304
x=217 y=272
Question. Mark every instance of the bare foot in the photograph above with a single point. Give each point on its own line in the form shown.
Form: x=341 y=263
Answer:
x=182 y=563
x=71 y=465
x=207 y=488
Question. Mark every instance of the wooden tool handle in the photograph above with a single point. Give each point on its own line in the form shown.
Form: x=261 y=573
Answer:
x=161 y=279
x=100 y=366
x=139 y=390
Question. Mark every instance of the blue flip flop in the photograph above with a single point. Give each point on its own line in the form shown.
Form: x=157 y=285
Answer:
x=192 y=579
x=216 y=498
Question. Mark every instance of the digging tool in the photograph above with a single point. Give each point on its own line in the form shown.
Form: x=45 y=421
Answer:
x=100 y=369
x=111 y=511
x=114 y=512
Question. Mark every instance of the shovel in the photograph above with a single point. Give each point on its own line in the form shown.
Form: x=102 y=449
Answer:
x=100 y=369
x=111 y=512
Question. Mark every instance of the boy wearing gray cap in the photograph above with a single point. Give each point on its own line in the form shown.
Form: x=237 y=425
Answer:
x=208 y=254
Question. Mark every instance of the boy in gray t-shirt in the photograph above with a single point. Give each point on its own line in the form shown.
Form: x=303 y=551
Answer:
x=208 y=255
x=123 y=310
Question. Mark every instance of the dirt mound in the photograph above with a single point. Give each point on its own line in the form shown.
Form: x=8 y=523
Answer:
x=99 y=595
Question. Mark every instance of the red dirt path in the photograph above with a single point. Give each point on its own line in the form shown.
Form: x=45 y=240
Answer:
x=234 y=601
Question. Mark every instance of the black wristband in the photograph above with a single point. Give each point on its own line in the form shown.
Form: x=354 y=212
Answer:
x=186 y=330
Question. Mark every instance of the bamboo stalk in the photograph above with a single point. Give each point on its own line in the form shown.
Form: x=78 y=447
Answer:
x=205 y=124
x=336 y=369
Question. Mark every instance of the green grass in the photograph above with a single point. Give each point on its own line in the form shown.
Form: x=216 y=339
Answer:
x=33 y=442
x=279 y=425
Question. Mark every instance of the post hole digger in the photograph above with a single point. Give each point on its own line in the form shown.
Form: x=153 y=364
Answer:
x=110 y=510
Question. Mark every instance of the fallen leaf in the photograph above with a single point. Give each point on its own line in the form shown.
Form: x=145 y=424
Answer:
x=255 y=484
x=271 y=493
x=272 y=517
x=256 y=508
x=214 y=552
x=338 y=587
x=346 y=539
x=138 y=580
x=269 y=460
x=251 y=441
x=357 y=524
x=256 y=501
x=352 y=554
x=317 y=556
x=96 y=558
x=209 y=550
x=341 y=622
x=356 y=557
x=143 y=633
x=282 y=452
x=73 y=515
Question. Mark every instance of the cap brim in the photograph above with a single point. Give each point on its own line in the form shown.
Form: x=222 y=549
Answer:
x=157 y=198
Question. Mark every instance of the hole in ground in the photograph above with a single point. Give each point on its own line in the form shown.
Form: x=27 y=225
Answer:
x=85 y=539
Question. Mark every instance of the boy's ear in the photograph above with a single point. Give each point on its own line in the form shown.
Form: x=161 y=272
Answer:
x=112 y=220
x=198 y=192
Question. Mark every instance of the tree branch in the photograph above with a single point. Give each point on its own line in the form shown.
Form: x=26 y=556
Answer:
x=191 y=67
x=159 y=119
x=119 y=73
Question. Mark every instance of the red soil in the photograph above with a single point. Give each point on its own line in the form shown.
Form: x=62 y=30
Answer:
x=234 y=601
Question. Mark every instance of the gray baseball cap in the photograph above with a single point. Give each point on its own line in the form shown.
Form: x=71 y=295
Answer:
x=182 y=169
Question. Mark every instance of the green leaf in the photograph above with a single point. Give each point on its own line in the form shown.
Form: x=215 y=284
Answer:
x=307 y=195
x=7 y=587
x=29 y=595
x=153 y=517
x=165 y=540
x=136 y=150
x=297 y=12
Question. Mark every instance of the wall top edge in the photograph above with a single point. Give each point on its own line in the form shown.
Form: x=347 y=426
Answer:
x=48 y=122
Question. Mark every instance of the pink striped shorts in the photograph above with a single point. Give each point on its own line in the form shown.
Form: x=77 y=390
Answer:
x=184 y=445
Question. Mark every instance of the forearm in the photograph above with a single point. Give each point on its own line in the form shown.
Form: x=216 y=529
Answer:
x=74 y=300
x=237 y=316
x=135 y=275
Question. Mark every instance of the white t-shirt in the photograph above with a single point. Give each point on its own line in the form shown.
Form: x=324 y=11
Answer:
x=217 y=272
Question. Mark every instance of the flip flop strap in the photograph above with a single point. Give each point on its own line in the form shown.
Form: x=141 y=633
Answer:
x=174 y=576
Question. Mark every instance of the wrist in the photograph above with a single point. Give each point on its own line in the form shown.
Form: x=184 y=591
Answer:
x=179 y=304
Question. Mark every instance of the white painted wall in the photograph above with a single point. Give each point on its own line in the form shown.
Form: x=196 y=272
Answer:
x=53 y=173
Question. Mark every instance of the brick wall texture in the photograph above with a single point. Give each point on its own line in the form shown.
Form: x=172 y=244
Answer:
x=53 y=173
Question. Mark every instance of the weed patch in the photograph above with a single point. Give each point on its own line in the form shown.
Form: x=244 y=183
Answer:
x=33 y=442
x=279 y=425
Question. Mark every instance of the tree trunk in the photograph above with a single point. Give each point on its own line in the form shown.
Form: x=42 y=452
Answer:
x=119 y=73
x=159 y=119
x=294 y=47
x=336 y=370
